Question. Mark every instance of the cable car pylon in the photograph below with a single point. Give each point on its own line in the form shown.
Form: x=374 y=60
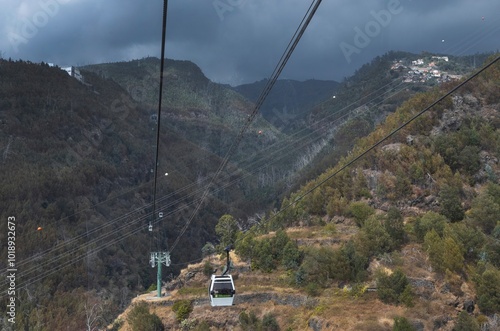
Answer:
x=158 y=259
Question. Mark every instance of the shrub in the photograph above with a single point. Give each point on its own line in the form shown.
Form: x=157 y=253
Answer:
x=465 y=322
x=182 y=309
x=402 y=324
x=140 y=319
x=151 y=288
x=444 y=254
x=373 y=238
x=450 y=204
x=394 y=225
x=208 y=268
x=488 y=291
x=428 y=222
x=484 y=212
x=313 y=289
x=208 y=249
x=360 y=211
x=202 y=326
x=269 y=323
x=394 y=288
x=249 y=322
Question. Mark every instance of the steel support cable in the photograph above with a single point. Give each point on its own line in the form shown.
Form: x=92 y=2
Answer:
x=495 y=30
x=153 y=214
x=94 y=250
x=472 y=39
x=130 y=233
x=102 y=237
x=71 y=242
x=158 y=123
x=362 y=154
x=284 y=59
x=250 y=168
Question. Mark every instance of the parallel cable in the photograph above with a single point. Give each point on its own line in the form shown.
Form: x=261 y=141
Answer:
x=117 y=240
x=158 y=123
x=362 y=154
x=113 y=241
x=277 y=71
x=275 y=156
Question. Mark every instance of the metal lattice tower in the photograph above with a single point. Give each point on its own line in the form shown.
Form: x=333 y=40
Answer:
x=159 y=259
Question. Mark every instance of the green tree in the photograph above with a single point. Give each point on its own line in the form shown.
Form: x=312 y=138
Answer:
x=263 y=256
x=453 y=258
x=246 y=245
x=469 y=160
x=317 y=264
x=373 y=238
x=358 y=262
x=403 y=185
x=444 y=253
x=494 y=191
x=227 y=230
x=488 y=291
x=496 y=231
x=450 y=204
x=468 y=237
x=485 y=212
x=394 y=288
x=394 y=226
x=433 y=244
x=291 y=256
x=429 y=221
x=208 y=268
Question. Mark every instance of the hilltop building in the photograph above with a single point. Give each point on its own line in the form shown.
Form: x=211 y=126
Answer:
x=73 y=72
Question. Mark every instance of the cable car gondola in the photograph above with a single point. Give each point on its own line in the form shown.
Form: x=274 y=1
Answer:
x=221 y=289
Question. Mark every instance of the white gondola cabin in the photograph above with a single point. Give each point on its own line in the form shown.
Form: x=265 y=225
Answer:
x=221 y=290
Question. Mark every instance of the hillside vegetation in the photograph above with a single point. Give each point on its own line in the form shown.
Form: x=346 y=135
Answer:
x=406 y=238
x=77 y=169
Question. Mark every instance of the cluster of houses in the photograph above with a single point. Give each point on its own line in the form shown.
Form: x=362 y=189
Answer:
x=421 y=71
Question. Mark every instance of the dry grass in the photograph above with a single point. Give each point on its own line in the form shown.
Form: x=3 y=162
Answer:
x=334 y=309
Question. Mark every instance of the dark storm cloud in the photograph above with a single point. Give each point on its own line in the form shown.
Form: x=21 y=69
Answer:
x=238 y=41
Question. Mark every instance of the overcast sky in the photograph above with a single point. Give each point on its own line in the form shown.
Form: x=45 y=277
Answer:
x=241 y=41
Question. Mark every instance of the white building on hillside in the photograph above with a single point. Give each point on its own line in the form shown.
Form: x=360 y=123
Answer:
x=73 y=72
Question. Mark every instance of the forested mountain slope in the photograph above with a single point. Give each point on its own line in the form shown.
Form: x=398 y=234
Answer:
x=77 y=169
x=405 y=238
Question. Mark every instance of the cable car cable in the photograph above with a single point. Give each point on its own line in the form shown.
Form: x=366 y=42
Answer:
x=279 y=68
x=158 y=121
x=366 y=151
